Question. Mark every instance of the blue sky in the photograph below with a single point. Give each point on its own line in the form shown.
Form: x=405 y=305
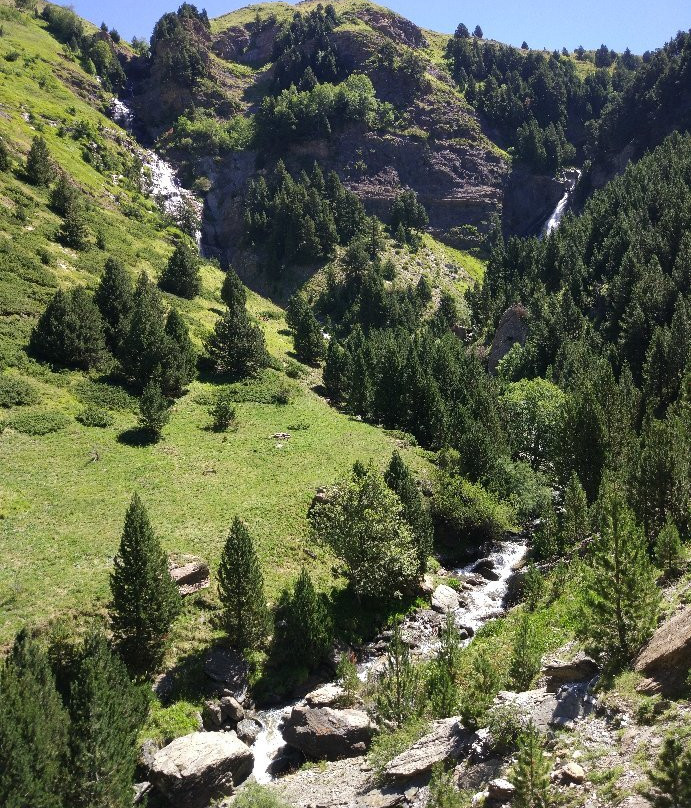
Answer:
x=638 y=24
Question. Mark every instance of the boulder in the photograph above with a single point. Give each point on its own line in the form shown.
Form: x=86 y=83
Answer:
x=231 y=709
x=324 y=733
x=500 y=790
x=248 y=730
x=198 y=768
x=212 y=715
x=547 y=710
x=191 y=576
x=447 y=740
x=666 y=659
x=571 y=773
x=327 y=696
x=228 y=669
x=559 y=670
x=512 y=329
x=445 y=599
x=486 y=568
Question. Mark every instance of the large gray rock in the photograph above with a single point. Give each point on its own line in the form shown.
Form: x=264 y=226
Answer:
x=191 y=576
x=487 y=569
x=229 y=670
x=445 y=599
x=201 y=767
x=326 y=734
x=560 y=709
x=564 y=668
x=447 y=740
x=328 y=695
x=501 y=790
x=666 y=659
x=512 y=329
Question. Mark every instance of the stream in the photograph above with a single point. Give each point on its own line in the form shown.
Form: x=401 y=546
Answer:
x=571 y=177
x=479 y=604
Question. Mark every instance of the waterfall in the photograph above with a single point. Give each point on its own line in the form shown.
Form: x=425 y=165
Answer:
x=571 y=178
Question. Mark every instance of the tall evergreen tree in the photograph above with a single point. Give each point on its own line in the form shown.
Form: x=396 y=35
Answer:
x=307 y=338
x=33 y=731
x=574 y=527
x=181 y=276
x=145 y=601
x=74 y=230
x=39 y=166
x=398 y=696
x=241 y=589
x=106 y=711
x=114 y=298
x=236 y=347
x=179 y=363
x=668 y=552
x=154 y=413
x=442 y=682
x=143 y=348
x=526 y=656
x=671 y=775
x=621 y=600
x=62 y=194
x=5 y=160
x=582 y=441
x=531 y=772
x=480 y=689
x=233 y=292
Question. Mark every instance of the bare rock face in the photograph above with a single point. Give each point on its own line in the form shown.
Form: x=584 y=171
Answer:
x=395 y=27
x=323 y=733
x=571 y=773
x=447 y=741
x=445 y=599
x=500 y=790
x=546 y=710
x=666 y=659
x=512 y=329
x=201 y=767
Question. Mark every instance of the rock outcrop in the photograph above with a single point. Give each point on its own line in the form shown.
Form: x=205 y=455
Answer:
x=323 y=733
x=512 y=329
x=229 y=672
x=196 y=769
x=447 y=741
x=564 y=668
x=666 y=659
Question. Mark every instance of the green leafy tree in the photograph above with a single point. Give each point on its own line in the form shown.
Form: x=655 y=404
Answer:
x=145 y=601
x=575 y=520
x=107 y=711
x=181 y=276
x=526 y=655
x=241 y=590
x=179 y=363
x=531 y=773
x=33 y=730
x=114 y=298
x=401 y=481
x=154 y=412
x=303 y=633
x=533 y=411
x=70 y=331
x=363 y=523
x=668 y=552
x=620 y=600
x=671 y=775
x=479 y=690
x=39 y=166
x=236 y=347
x=399 y=691
x=233 y=292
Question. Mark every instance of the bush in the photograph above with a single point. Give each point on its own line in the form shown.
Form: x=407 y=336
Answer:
x=39 y=423
x=95 y=416
x=256 y=796
x=15 y=392
x=105 y=396
x=223 y=412
x=505 y=729
x=282 y=395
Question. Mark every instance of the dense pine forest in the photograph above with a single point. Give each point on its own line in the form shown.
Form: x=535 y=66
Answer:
x=345 y=415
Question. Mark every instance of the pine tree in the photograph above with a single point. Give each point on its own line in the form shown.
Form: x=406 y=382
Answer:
x=179 y=363
x=526 y=656
x=236 y=347
x=181 y=276
x=223 y=411
x=337 y=371
x=115 y=298
x=106 y=711
x=63 y=193
x=144 y=346
x=531 y=772
x=153 y=410
x=303 y=631
x=480 y=689
x=308 y=340
x=671 y=777
x=442 y=791
x=33 y=730
x=398 y=696
x=39 y=166
x=668 y=548
x=233 y=292
x=74 y=231
x=621 y=600
x=145 y=601
x=241 y=590
x=400 y=480
x=574 y=526
x=70 y=331
x=5 y=160
x=442 y=683
x=296 y=310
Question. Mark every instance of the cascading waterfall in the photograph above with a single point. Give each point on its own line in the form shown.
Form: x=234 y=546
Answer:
x=571 y=178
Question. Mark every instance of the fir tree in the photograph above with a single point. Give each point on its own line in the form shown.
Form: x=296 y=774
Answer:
x=39 y=166
x=303 y=632
x=74 y=231
x=5 y=161
x=233 y=292
x=442 y=791
x=296 y=310
x=621 y=600
x=337 y=371
x=33 y=730
x=106 y=712
x=400 y=480
x=526 y=656
x=70 y=331
x=181 y=276
x=531 y=772
x=398 y=696
x=241 y=590
x=153 y=410
x=114 y=298
x=145 y=601
x=63 y=193
x=480 y=689
x=574 y=526
x=308 y=340
x=144 y=346
x=236 y=347
x=223 y=411
x=179 y=363
x=442 y=682
x=671 y=776
x=668 y=548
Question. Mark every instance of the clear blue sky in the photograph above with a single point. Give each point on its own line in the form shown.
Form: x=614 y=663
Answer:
x=638 y=24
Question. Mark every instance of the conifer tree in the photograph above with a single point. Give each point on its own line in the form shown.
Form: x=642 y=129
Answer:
x=145 y=601
x=233 y=292
x=303 y=625
x=153 y=410
x=296 y=310
x=63 y=193
x=33 y=730
x=70 y=331
x=5 y=160
x=106 y=711
x=621 y=600
x=400 y=480
x=74 y=231
x=668 y=548
x=671 y=776
x=39 y=166
x=144 y=346
x=241 y=590
x=526 y=656
x=480 y=689
x=531 y=772
x=398 y=696
x=236 y=347
x=179 y=363
x=181 y=276
x=574 y=521
x=442 y=682
x=115 y=298
x=308 y=340
x=337 y=371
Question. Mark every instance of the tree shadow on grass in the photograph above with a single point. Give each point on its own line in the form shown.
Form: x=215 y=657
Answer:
x=137 y=437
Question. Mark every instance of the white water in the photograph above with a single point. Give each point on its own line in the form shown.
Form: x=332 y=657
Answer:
x=480 y=604
x=571 y=178
x=159 y=180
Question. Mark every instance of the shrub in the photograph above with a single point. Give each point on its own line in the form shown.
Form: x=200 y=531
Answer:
x=223 y=412
x=39 y=423
x=282 y=395
x=15 y=392
x=95 y=416
x=505 y=729
x=105 y=396
x=256 y=796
